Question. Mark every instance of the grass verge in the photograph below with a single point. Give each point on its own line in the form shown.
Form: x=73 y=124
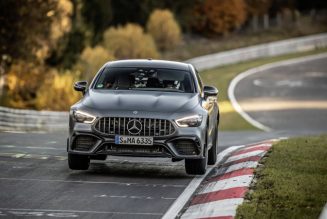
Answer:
x=292 y=182
x=221 y=77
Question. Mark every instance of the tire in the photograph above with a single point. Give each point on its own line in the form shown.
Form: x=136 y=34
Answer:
x=196 y=166
x=78 y=162
x=212 y=153
x=99 y=157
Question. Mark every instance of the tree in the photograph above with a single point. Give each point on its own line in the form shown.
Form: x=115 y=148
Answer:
x=183 y=11
x=20 y=90
x=129 y=41
x=258 y=7
x=30 y=29
x=91 y=60
x=56 y=91
x=127 y=11
x=164 y=29
x=313 y=4
x=97 y=15
x=72 y=43
x=214 y=17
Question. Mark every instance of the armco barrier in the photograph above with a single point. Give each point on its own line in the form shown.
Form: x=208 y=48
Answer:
x=14 y=119
x=282 y=47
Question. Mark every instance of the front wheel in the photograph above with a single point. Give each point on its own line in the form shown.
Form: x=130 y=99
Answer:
x=196 y=166
x=212 y=153
x=78 y=162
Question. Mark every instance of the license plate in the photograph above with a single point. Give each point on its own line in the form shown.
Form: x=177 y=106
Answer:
x=121 y=139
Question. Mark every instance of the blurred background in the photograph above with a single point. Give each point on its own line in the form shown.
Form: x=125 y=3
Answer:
x=46 y=45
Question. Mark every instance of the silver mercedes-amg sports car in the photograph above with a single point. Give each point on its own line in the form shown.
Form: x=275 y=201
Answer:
x=145 y=108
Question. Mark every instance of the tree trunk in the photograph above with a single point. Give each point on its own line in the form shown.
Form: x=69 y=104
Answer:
x=266 y=21
x=313 y=14
x=279 y=19
x=255 y=23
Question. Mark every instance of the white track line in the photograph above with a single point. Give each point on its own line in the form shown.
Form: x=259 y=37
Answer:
x=226 y=207
x=246 y=155
x=32 y=147
x=180 y=202
x=323 y=214
x=77 y=211
x=258 y=145
x=238 y=181
x=92 y=182
x=244 y=165
x=238 y=78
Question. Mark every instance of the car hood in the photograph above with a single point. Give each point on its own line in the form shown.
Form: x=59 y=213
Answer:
x=150 y=101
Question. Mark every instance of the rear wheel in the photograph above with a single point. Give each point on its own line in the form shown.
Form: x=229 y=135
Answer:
x=212 y=153
x=78 y=162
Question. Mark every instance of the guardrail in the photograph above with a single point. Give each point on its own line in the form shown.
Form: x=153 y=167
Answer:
x=282 y=47
x=15 y=119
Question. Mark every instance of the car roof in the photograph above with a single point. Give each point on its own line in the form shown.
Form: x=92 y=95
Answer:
x=148 y=63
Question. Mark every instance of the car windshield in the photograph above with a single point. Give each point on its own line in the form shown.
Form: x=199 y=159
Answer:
x=150 y=79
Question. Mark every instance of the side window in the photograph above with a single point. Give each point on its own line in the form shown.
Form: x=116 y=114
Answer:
x=199 y=79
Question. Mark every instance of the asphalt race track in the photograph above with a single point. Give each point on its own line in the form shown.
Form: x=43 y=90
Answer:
x=35 y=180
x=289 y=98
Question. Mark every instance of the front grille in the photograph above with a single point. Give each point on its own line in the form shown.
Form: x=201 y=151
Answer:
x=84 y=142
x=186 y=147
x=124 y=126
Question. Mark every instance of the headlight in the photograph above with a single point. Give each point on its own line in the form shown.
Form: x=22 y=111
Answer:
x=80 y=116
x=190 y=121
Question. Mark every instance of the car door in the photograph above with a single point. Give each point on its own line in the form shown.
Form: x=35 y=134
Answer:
x=210 y=104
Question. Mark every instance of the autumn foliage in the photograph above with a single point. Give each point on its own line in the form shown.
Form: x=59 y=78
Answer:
x=164 y=29
x=219 y=16
x=56 y=92
x=91 y=60
x=45 y=45
x=39 y=87
x=129 y=41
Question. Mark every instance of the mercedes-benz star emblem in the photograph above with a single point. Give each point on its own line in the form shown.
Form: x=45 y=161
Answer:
x=134 y=127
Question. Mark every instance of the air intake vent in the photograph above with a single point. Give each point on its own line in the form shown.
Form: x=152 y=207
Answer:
x=84 y=142
x=132 y=149
x=134 y=126
x=186 y=147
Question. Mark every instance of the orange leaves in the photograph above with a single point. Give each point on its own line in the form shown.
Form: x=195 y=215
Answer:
x=129 y=41
x=164 y=29
x=219 y=16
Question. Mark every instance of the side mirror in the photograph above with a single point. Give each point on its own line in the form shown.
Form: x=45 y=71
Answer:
x=210 y=91
x=80 y=86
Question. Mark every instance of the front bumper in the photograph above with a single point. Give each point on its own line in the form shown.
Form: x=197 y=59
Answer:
x=183 y=143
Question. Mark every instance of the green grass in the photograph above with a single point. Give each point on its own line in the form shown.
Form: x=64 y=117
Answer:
x=292 y=182
x=221 y=77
